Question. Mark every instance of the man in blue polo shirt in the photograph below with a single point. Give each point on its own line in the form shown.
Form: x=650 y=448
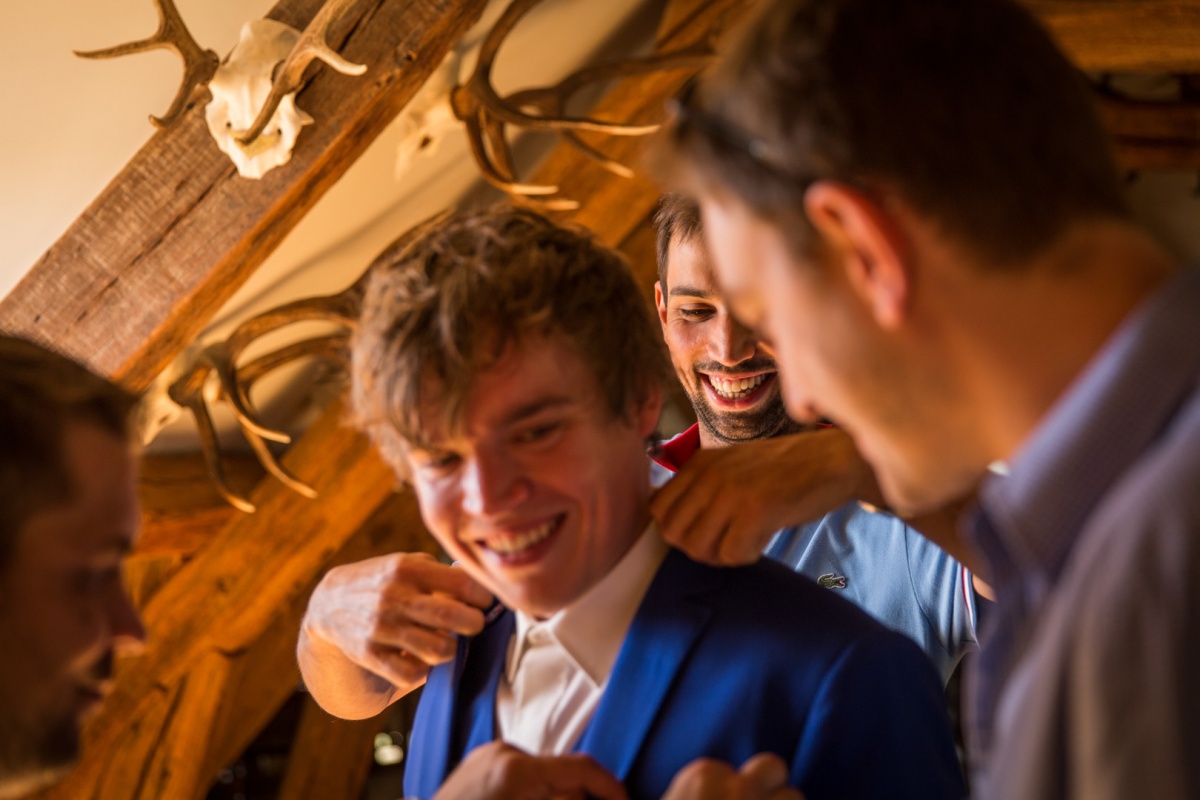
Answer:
x=730 y=504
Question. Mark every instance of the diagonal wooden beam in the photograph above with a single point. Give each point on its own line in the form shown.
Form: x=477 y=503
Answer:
x=330 y=757
x=148 y=264
x=181 y=508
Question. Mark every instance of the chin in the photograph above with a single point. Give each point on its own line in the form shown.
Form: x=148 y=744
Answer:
x=909 y=498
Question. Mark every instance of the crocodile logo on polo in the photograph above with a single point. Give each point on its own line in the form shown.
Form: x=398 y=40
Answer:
x=832 y=581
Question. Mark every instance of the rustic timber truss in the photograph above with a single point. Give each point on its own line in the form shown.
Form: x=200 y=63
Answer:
x=146 y=267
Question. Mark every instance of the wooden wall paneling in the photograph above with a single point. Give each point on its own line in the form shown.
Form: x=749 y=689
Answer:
x=1153 y=135
x=150 y=261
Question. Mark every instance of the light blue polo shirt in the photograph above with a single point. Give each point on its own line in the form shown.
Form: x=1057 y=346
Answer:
x=875 y=561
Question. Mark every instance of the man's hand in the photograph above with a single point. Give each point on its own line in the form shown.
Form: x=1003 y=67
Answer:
x=763 y=777
x=497 y=771
x=726 y=503
x=374 y=628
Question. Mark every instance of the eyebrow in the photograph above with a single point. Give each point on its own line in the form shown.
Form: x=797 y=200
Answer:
x=690 y=291
x=535 y=407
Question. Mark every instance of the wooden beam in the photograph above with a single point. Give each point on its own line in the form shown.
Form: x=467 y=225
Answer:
x=1125 y=35
x=269 y=673
x=181 y=508
x=330 y=757
x=153 y=258
x=174 y=768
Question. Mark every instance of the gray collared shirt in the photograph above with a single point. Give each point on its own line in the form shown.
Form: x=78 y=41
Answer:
x=1088 y=685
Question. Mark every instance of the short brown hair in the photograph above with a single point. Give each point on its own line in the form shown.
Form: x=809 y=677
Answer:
x=965 y=108
x=677 y=217
x=41 y=392
x=446 y=305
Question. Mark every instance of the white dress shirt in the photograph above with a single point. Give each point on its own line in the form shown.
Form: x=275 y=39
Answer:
x=556 y=669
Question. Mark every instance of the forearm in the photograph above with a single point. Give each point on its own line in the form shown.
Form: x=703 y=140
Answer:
x=340 y=686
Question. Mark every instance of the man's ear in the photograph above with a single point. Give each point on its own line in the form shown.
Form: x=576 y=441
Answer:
x=867 y=243
x=647 y=408
x=660 y=302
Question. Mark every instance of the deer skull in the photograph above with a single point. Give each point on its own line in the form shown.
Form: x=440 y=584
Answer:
x=239 y=90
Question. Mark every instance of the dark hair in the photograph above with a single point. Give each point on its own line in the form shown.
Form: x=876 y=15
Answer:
x=965 y=108
x=677 y=216
x=446 y=304
x=41 y=392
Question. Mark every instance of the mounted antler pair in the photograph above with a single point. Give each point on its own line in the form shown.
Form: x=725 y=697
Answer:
x=485 y=113
x=199 y=65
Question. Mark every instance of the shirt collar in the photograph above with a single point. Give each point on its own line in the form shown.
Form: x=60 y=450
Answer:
x=1118 y=406
x=677 y=451
x=592 y=629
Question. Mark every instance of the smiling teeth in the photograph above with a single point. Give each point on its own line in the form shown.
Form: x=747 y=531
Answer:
x=522 y=541
x=735 y=390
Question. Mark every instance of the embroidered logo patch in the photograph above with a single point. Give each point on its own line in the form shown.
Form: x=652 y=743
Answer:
x=831 y=581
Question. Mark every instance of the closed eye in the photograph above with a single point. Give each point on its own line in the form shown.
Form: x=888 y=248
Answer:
x=695 y=313
x=538 y=433
x=437 y=461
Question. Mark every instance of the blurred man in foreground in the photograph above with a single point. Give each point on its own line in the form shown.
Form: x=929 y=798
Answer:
x=915 y=203
x=68 y=516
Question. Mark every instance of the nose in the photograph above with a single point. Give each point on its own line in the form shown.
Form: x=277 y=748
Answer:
x=128 y=633
x=492 y=484
x=731 y=342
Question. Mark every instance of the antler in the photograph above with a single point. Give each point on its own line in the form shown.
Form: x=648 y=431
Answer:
x=289 y=73
x=485 y=113
x=198 y=64
x=216 y=375
x=197 y=392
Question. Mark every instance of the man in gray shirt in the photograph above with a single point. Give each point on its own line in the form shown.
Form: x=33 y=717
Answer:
x=915 y=203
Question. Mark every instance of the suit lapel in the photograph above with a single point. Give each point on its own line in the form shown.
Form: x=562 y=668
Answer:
x=477 y=723
x=457 y=708
x=666 y=626
x=433 y=727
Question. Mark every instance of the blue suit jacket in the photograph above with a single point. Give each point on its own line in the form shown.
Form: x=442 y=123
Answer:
x=727 y=663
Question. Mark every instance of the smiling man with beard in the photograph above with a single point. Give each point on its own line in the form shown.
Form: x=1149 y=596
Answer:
x=68 y=515
x=752 y=480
